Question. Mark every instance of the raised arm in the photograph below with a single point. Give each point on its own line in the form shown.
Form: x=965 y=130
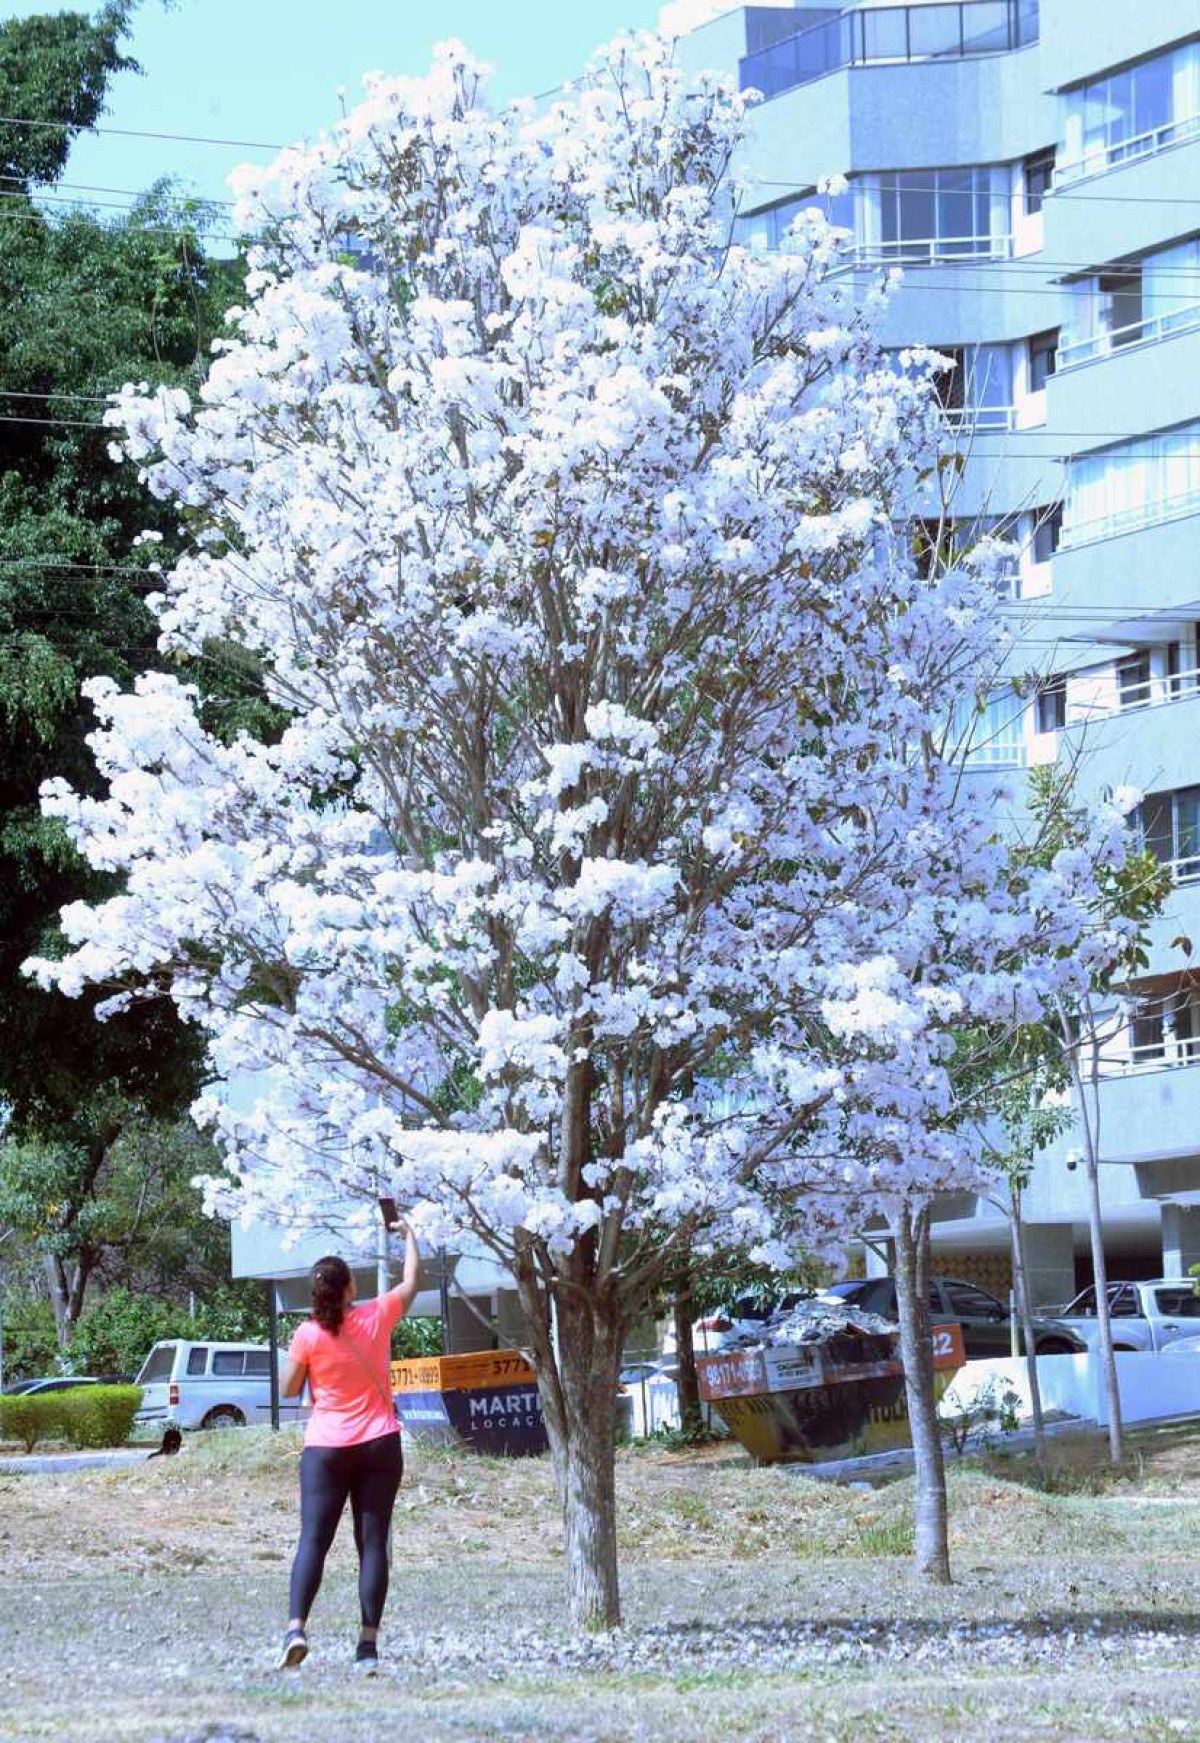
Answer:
x=405 y=1291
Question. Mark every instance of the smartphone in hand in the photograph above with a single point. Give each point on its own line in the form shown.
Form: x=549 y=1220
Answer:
x=388 y=1211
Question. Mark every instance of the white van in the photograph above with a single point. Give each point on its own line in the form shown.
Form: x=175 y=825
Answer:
x=211 y=1385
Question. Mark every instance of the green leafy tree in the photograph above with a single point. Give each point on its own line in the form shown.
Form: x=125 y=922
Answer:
x=85 y=305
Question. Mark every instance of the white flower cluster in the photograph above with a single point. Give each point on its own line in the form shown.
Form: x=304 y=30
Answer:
x=604 y=882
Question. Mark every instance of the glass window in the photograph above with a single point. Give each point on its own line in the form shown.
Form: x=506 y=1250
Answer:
x=1047 y=530
x=228 y=1362
x=1132 y=111
x=1038 y=178
x=1169 y=824
x=1156 y=823
x=770 y=226
x=1052 y=705
x=197 y=1359
x=258 y=1361
x=884 y=34
x=1187 y=831
x=1147 y=1040
x=1124 y=1301
x=941 y=212
x=1133 y=680
x=1133 y=484
x=1181 y=1302
x=972 y=1303
x=1171 y=286
x=159 y=1364
x=1185 y=1024
x=985 y=27
x=936 y=31
x=992 y=732
x=1043 y=359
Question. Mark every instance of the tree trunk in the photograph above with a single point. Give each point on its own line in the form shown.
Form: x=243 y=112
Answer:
x=59 y=1289
x=1089 y=1123
x=83 y=1273
x=1025 y=1312
x=1108 y=1358
x=687 y=1381
x=578 y=1360
x=910 y=1232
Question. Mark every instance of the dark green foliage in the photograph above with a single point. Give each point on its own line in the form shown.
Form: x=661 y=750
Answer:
x=85 y=306
x=416 y=1337
x=119 y=1328
x=30 y=1337
x=57 y=68
x=117 y=1334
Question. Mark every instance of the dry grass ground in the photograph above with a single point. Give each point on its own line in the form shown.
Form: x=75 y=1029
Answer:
x=143 y=1604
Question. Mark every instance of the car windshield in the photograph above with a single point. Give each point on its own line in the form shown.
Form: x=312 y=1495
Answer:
x=848 y=1291
x=158 y=1364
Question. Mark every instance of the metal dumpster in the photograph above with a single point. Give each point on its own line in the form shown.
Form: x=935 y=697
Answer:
x=839 y=1395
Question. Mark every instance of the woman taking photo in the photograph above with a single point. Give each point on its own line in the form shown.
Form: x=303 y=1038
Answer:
x=352 y=1442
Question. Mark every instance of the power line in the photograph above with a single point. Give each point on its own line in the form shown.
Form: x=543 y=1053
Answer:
x=859 y=178
x=140 y=133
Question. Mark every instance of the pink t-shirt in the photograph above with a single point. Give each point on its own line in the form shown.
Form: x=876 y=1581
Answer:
x=348 y=1374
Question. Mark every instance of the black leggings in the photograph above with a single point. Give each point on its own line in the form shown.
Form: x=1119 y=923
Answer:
x=369 y=1474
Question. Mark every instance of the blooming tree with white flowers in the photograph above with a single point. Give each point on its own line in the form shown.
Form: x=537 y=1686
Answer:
x=607 y=891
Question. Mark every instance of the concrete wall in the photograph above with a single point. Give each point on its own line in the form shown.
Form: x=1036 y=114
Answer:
x=1083 y=37
x=1152 y=1387
x=1141 y=387
x=1131 y=207
x=1132 y=574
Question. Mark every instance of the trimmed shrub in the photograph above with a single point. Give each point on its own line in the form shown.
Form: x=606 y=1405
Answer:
x=85 y=1416
x=98 y=1415
x=25 y=1419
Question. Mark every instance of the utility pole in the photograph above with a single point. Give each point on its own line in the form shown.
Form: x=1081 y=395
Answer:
x=7 y=1236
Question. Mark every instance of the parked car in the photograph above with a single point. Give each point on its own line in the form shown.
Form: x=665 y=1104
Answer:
x=745 y=1317
x=984 y=1320
x=210 y=1385
x=52 y=1383
x=1147 y=1315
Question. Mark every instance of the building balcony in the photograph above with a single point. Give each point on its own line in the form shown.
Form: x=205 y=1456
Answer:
x=1150 y=1110
x=1136 y=205
x=1155 y=512
x=890 y=36
x=1104 y=157
x=1145 y=377
x=1122 y=341
x=1083 y=38
x=1001 y=469
x=1138 y=584
x=897 y=115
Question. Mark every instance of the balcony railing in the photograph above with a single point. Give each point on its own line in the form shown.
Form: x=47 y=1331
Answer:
x=1153 y=692
x=932 y=250
x=981 y=417
x=1072 y=352
x=1167 y=1054
x=1155 y=512
x=889 y=36
x=1100 y=158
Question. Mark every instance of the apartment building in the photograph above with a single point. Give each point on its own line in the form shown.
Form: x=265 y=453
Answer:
x=1035 y=172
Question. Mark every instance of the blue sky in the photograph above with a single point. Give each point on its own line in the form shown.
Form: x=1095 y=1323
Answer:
x=270 y=69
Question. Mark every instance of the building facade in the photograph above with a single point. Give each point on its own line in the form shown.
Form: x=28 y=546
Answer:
x=1034 y=170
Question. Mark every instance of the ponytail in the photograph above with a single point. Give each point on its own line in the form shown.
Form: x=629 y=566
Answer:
x=330 y=1281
